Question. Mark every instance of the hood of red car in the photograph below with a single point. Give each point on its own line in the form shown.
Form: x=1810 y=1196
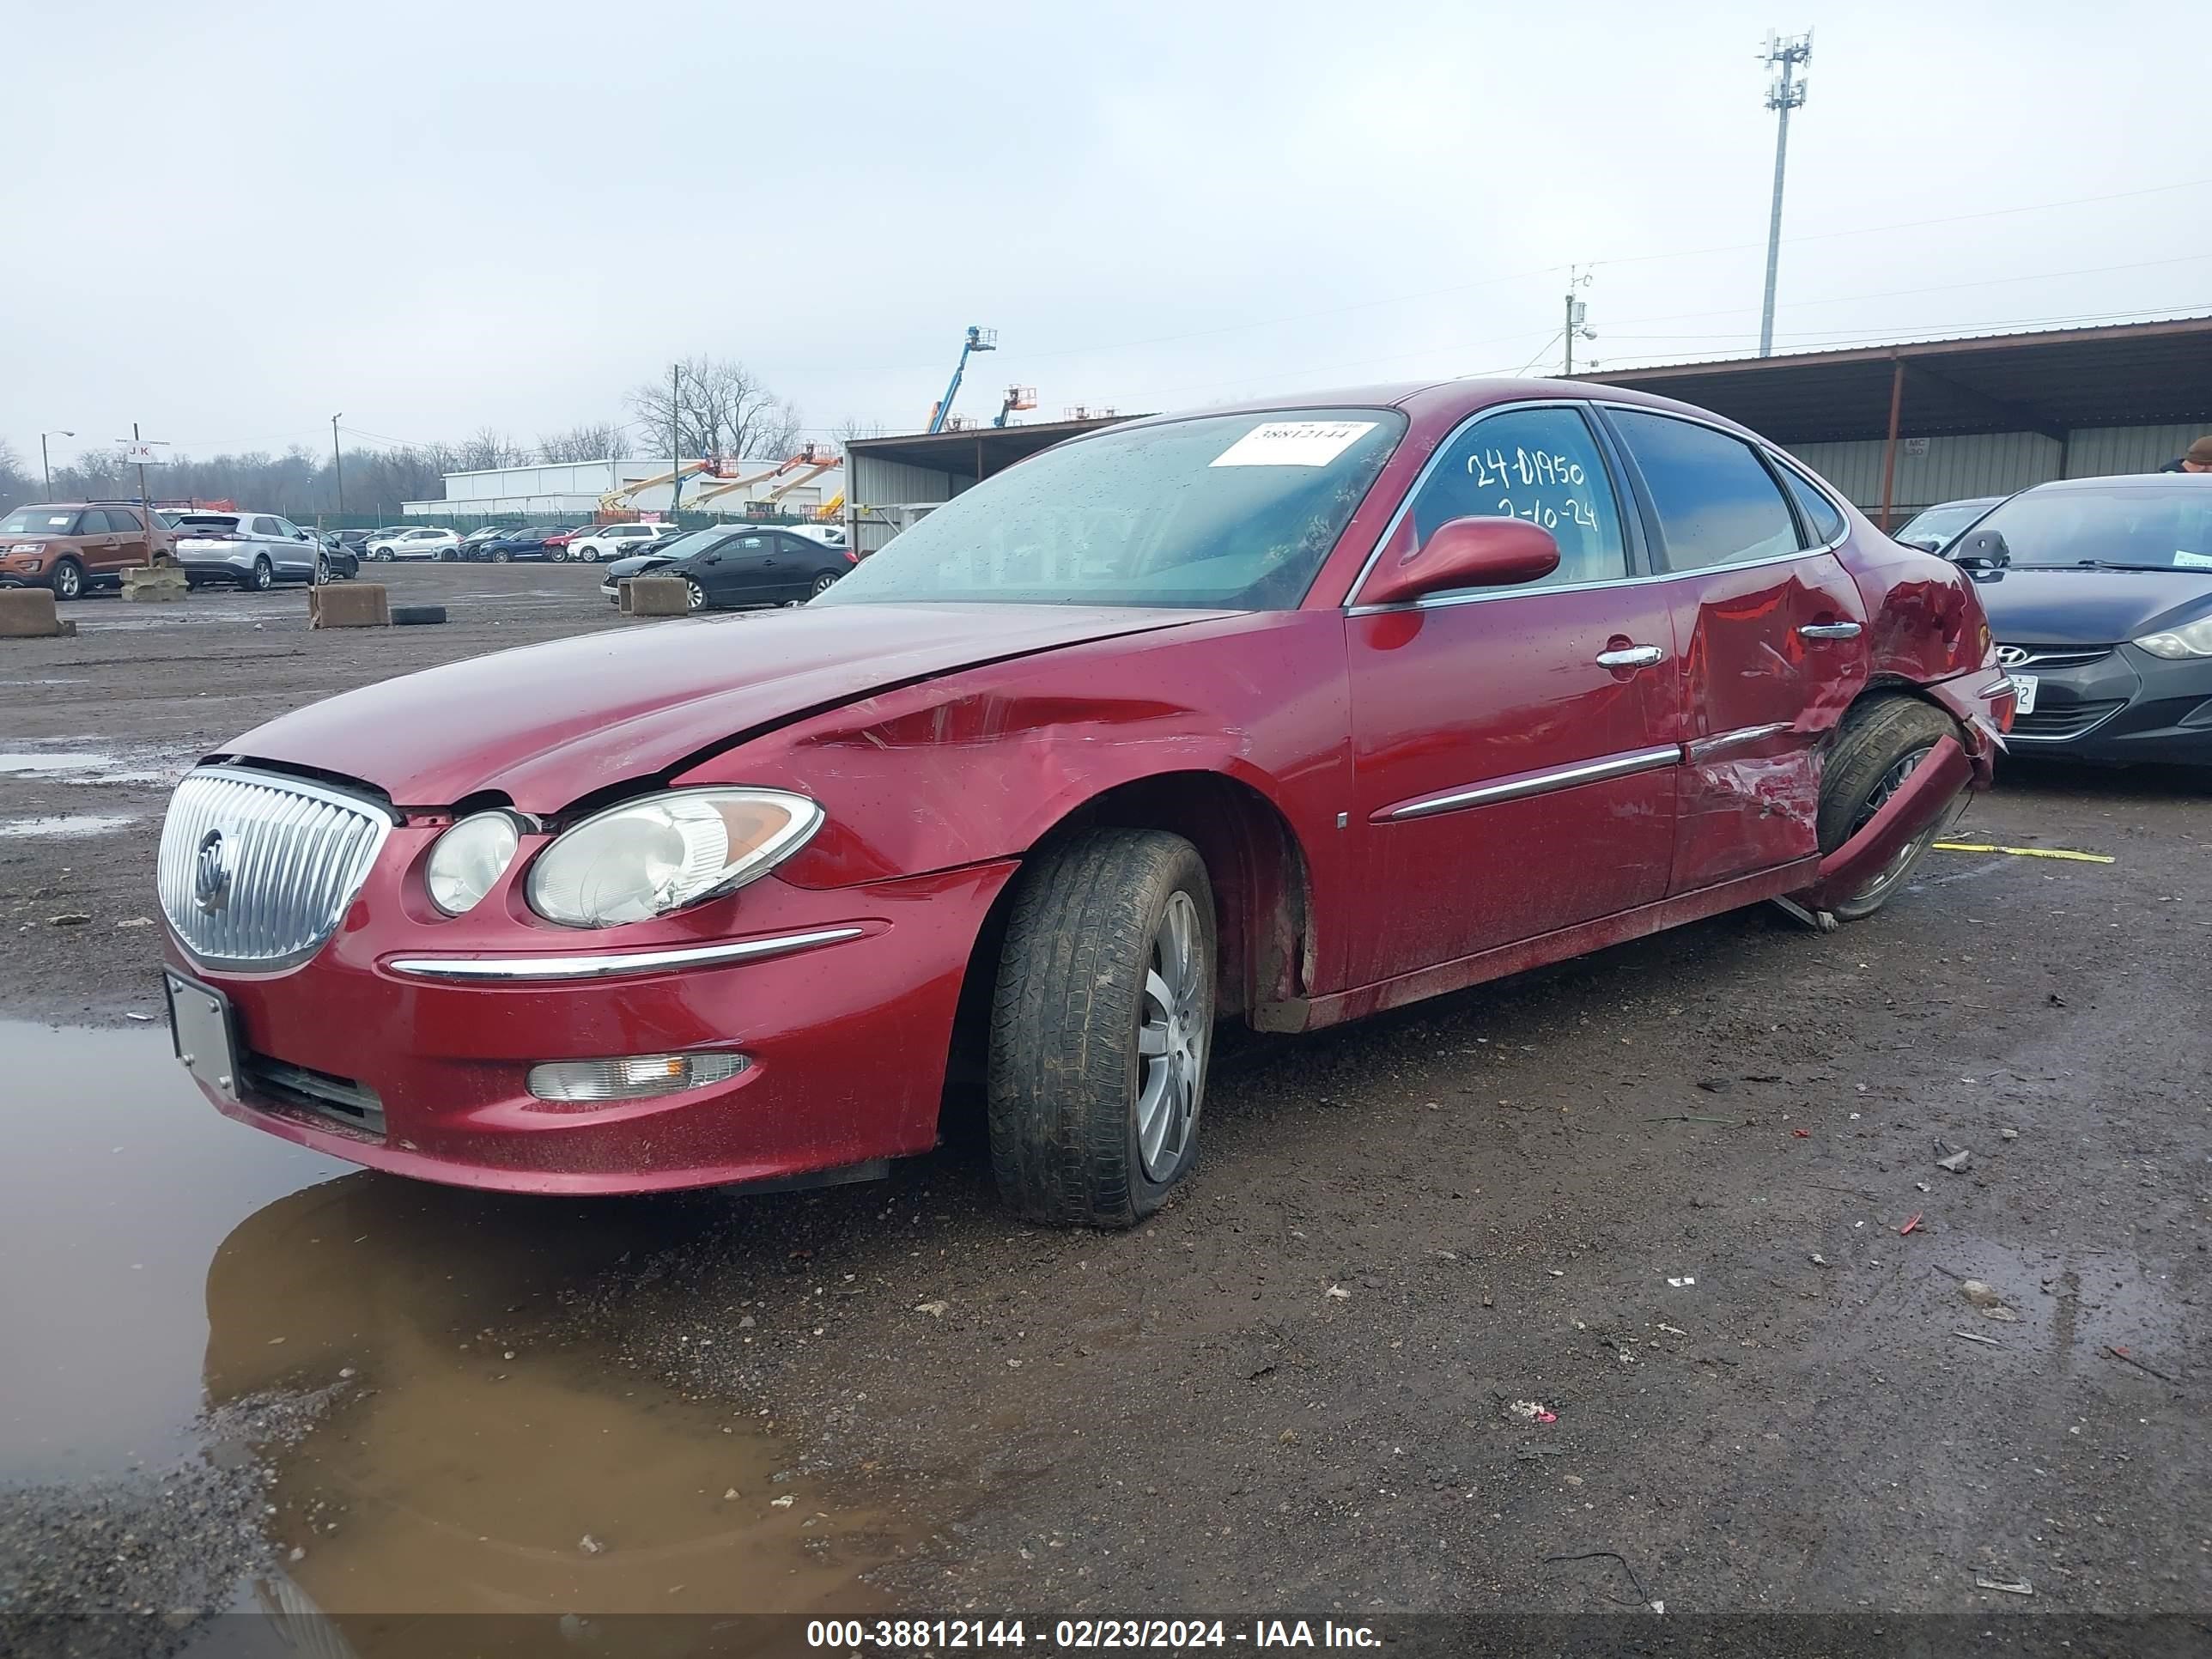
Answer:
x=549 y=724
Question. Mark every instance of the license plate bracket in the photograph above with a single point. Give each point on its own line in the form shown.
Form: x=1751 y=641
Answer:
x=2024 y=688
x=204 y=1031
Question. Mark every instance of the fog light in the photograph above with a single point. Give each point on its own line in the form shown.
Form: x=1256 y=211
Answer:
x=637 y=1078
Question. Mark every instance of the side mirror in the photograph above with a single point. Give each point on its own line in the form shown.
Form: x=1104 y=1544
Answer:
x=1466 y=553
x=1980 y=550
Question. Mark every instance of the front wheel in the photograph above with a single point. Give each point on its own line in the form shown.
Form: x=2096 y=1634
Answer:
x=1102 y=1024
x=500 y=556
x=68 y=579
x=695 y=596
x=1880 y=744
x=589 y=556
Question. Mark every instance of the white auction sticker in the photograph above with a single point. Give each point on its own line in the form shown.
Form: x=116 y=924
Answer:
x=2182 y=558
x=1294 y=443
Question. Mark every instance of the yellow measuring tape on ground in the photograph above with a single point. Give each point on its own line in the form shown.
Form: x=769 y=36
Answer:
x=2022 y=852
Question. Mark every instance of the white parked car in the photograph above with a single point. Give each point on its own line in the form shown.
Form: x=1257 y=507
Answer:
x=616 y=541
x=420 y=544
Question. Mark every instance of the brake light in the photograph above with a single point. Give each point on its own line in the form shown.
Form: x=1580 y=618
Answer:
x=2004 y=705
x=851 y=557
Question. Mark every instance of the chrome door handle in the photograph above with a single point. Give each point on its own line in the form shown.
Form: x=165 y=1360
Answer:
x=1637 y=656
x=1829 y=631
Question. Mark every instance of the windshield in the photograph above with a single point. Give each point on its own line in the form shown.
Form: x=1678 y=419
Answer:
x=683 y=547
x=1234 y=511
x=1938 y=525
x=39 y=521
x=2159 y=526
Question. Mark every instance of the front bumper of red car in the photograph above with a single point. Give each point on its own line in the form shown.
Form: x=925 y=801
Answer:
x=407 y=1044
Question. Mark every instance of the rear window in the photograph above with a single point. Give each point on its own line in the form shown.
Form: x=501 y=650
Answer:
x=39 y=521
x=188 y=522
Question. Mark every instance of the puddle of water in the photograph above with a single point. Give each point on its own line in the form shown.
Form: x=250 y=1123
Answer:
x=79 y=823
x=118 y=1184
x=23 y=761
x=156 y=1258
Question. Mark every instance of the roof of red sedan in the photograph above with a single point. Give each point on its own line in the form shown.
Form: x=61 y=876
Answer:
x=1448 y=399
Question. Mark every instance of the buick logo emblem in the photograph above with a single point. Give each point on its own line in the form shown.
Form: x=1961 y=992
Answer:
x=211 y=873
x=2011 y=656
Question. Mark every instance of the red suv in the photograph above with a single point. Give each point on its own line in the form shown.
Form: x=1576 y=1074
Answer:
x=70 y=546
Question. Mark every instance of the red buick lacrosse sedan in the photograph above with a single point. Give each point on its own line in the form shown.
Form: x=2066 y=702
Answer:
x=1284 y=715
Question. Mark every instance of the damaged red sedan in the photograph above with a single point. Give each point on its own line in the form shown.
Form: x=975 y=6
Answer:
x=1283 y=715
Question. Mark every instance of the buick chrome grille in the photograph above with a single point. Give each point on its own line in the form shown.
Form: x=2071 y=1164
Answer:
x=256 y=870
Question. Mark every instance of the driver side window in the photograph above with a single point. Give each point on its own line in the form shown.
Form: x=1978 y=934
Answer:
x=1539 y=465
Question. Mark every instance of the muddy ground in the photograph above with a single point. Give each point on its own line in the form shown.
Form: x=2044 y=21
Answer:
x=1304 y=1387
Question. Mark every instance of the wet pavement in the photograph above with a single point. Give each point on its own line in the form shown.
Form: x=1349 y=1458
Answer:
x=167 y=1277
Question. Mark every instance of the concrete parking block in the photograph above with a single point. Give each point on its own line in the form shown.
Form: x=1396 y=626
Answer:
x=27 y=613
x=357 y=605
x=656 y=596
x=156 y=584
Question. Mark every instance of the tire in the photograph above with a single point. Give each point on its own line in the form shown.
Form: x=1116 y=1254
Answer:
x=264 y=575
x=322 y=573
x=384 y=555
x=416 y=616
x=500 y=556
x=822 y=584
x=589 y=556
x=697 y=595
x=1881 y=741
x=1086 y=1128
x=68 y=579
x=557 y=555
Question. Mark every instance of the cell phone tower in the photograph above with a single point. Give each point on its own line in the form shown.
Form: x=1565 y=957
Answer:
x=1785 y=91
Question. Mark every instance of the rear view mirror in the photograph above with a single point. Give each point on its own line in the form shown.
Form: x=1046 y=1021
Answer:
x=1466 y=553
x=1980 y=550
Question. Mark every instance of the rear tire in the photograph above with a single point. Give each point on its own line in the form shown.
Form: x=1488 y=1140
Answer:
x=68 y=579
x=822 y=584
x=264 y=576
x=1102 y=1026
x=1881 y=741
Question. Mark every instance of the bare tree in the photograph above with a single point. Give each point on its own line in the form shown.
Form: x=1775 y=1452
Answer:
x=716 y=406
x=489 y=450
x=599 y=441
x=854 y=427
x=15 y=484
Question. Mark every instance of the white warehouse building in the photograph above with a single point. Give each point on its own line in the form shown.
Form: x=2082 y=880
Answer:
x=573 y=489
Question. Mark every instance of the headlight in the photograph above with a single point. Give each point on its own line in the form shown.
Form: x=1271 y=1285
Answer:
x=2190 y=640
x=468 y=859
x=661 y=853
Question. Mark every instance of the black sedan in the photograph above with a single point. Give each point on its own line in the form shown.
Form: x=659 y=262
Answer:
x=2099 y=592
x=729 y=569
x=531 y=543
x=1934 y=528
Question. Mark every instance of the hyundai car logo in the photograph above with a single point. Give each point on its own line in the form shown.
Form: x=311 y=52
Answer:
x=2011 y=656
x=211 y=873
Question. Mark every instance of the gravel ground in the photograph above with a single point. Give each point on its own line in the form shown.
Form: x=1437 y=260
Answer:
x=1308 y=1384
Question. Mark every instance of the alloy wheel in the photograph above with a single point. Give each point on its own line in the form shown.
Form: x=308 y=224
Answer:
x=1171 y=1038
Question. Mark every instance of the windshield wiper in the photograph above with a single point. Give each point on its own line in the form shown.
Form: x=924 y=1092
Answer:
x=2097 y=564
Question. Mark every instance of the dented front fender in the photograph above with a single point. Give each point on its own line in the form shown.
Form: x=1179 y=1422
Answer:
x=1920 y=801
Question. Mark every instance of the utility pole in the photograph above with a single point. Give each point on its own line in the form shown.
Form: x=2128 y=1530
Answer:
x=46 y=467
x=675 y=440
x=144 y=501
x=338 y=467
x=1785 y=91
x=1578 y=316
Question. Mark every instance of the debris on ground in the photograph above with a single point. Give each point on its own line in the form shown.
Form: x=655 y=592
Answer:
x=1682 y=1283
x=1643 y=1597
x=782 y=1503
x=1980 y=1294
x=1986 y=1341
x=934 y=1310
x=2125 y=1357
x=1339 y=1292
x=1819 y=1261
x=135 y=921
x=2014 y=1586
x=1911 y=1225
x=1531 y=1411
x=589 y=1545
x=2008 y=1134
x=1954 y=1158
x=68 y=919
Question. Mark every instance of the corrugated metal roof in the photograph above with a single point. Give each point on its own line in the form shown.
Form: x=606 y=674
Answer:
x=2045 y=380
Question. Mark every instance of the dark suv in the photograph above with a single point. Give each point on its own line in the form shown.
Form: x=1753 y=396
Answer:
x=70 y=546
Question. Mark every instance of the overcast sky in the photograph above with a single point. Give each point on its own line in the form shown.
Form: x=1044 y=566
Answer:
x=230 y=221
